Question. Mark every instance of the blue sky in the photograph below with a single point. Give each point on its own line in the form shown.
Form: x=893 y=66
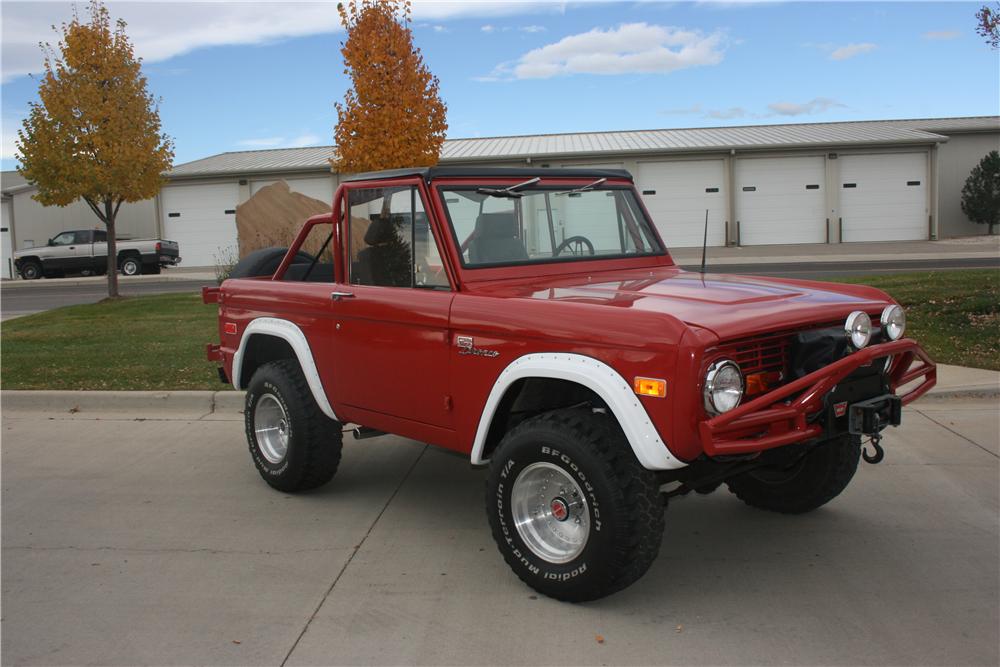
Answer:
x=238 y=76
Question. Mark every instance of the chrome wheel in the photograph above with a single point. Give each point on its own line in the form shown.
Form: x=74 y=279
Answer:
x=550 y=512
x=270 y=425
x=130 y=267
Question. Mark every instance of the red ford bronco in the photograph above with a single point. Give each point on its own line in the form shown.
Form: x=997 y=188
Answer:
x=533 y=320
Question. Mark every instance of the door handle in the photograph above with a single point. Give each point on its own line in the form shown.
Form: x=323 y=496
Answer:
x=72 y=247
x=337 y=296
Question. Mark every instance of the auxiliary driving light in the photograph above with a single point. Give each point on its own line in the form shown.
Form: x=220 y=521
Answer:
x=858 y=328
x=723 y=387
x=893 y=322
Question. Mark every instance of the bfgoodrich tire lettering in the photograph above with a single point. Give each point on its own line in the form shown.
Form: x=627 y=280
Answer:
x=811 y=482
x=313 y=440
x=622 y=504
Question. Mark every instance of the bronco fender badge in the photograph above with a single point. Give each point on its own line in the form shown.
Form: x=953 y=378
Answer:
x=467 y=345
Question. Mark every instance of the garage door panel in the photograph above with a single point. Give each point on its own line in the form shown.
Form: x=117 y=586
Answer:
x=781 y=200
x=883 y=197
x=196 y=217
x=684 y=189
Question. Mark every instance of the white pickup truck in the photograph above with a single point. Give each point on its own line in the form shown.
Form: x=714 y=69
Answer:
x=86 y=251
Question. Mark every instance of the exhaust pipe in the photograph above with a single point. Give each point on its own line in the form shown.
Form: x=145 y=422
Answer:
x=363 y=432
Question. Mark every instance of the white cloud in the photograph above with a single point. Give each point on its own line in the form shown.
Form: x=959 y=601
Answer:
x=941 y=34
x=851 y=50
x=629 y=48
x=8 y=148
x=440 y=28
x=726 y=114
x=300 y=141
x=304 y=140
x=261 y=142
x=162 y=30
x=488 y=28
x=813 y=106
x=532 y=28
x=683 y=111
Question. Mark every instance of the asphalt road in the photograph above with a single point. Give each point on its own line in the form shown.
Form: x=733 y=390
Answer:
x=154 y=541
x=48 y=294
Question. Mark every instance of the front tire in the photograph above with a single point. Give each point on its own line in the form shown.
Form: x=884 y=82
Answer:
x=571 y=510
x=294 y=446
x=31 y=270
x=811 y=482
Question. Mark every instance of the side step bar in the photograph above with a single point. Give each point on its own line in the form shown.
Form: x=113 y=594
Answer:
x=363 y=432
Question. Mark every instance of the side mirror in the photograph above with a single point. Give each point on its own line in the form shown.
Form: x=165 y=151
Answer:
x=50 y=242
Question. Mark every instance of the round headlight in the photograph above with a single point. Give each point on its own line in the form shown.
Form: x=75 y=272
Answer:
x=723 y=387
x=858 y=328
x=893 y=322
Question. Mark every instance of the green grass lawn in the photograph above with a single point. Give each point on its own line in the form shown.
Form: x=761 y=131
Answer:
x=158 y=342
x=150 y=342
x=954 y=315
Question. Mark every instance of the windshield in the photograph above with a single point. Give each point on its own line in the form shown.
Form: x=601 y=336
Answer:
x=499 y=225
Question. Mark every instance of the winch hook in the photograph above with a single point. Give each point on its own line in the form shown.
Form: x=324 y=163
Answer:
x=876 y=438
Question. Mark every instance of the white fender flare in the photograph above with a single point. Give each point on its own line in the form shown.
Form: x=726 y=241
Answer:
x=289 y=332
x=600 y=378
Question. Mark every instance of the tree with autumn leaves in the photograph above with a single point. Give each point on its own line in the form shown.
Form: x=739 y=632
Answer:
x=392 y=116
x=95 y=133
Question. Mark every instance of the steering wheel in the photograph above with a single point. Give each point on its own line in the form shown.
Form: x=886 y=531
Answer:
x=576 y=243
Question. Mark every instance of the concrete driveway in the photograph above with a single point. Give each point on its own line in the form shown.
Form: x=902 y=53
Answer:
x=153 y=541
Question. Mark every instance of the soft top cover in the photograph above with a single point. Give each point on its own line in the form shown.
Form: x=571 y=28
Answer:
x=430 y=173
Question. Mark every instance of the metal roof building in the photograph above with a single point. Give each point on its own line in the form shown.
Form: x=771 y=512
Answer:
x=632 y=142
x=764 y=184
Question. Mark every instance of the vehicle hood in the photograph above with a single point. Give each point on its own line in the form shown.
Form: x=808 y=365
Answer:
x=731 y=306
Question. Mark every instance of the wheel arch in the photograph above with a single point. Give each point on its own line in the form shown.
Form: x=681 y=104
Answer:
x=268 y=339
x=593 y=377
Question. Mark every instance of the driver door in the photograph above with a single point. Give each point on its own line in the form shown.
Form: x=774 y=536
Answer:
x=391 y=333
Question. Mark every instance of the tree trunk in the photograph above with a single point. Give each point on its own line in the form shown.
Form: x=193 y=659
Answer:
x=110 y=213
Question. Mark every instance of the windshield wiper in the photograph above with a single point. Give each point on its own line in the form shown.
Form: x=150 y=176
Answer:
x=582 y=188
x=511 y=192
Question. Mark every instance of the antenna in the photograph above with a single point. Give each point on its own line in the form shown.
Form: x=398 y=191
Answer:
x=704 y=243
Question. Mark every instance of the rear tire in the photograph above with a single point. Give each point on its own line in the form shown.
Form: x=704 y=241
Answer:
x=130 y=265
x=572 y=511
x=294 y=446
x=813 y=481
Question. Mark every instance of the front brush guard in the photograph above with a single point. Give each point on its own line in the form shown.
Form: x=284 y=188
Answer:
x=785 y=416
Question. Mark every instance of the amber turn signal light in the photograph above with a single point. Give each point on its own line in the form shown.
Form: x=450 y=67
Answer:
x=758 y=383
x=650 y=387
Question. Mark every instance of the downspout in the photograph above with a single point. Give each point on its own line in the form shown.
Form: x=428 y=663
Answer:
x=732 y=227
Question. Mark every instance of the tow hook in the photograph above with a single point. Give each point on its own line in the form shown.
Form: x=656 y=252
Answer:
x=879 y=454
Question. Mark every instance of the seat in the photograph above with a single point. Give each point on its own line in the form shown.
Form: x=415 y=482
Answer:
x=386 y=260
x=495 y=240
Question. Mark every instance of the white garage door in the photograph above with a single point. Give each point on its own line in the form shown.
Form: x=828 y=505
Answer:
x=202 y=219
x=678 y=193
x=317 y=188
x=781 y=200
x=884 y=197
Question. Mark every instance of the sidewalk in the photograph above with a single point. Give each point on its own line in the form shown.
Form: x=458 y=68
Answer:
x=154 y=541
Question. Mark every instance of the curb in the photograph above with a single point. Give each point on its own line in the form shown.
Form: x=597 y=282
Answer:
x=176 y=404
x=203 y=404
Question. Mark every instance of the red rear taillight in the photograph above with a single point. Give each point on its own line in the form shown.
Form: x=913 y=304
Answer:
x=158 y=246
